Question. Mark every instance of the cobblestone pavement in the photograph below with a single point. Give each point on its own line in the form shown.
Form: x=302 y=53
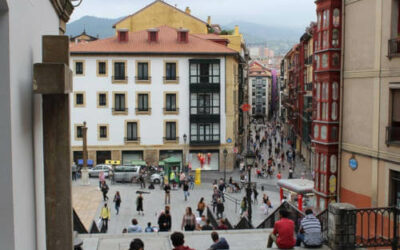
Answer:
x=88 y=199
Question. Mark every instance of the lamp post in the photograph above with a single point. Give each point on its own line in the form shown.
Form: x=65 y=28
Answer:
x=184 y=151
x=84 y=171
x=225 y=154
x=250 y=159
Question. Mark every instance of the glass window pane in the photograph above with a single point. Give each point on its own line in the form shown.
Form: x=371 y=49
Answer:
x=334 y=111
x=335 y=91
x=333 y=163
x=316 y=131
x=336 y=17
x=323 y=132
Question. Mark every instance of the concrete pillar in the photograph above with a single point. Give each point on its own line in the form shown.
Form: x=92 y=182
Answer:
x=151 y=156
x=92 y=156
x=116 y=155
x=341 y=226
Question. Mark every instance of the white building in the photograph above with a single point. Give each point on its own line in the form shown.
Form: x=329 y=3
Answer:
x=259 y=89
x=22 y=25
x=152 y=94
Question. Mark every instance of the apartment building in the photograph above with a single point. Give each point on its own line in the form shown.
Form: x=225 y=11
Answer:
x=151 y=94
x=259 y=89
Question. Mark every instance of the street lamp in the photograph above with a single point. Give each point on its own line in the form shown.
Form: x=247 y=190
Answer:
x=184 y=149
x=250 y=159
x=225 y=154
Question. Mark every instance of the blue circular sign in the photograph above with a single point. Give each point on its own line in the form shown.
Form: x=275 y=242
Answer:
x=353 y=163
x=229 y=140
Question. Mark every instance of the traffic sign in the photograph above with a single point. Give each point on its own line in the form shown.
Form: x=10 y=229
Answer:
x=229 y=140
x=245 y=107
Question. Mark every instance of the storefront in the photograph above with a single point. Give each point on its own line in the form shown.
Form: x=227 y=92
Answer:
x=204 y=159
x=129 y=156
x=102 y=156
x=164 y=154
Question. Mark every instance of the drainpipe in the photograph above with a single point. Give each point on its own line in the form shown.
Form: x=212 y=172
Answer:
x=341 y=104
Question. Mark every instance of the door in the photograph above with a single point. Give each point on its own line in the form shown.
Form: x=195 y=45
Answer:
x=102 y=156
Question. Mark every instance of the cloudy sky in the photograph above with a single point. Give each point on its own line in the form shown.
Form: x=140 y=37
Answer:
x=289 y=13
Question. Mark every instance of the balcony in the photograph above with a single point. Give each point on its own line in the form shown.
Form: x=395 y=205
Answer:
x=119 y=79
x=171 y=111
x=171 y=139
x=205 y=140
x=394 y=48
x=393 y=136
x=143 y=111
x=132 y=139
x=120 y=111
x=143 y=79
x=171 y=79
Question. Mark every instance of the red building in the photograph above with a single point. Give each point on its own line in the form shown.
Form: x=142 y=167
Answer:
x=326 y=95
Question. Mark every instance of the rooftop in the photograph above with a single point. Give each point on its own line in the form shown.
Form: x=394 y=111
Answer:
x=138 y=44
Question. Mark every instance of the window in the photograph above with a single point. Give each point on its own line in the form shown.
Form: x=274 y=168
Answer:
x=318 y=90
x=318 y=110
x=333 y=133
x=170 y=132
x=336 y=17
x=143 y=71
x=324 y=60
x=394 y=126
x=102 y=100
x=119 y=71
x=79 y=131
x=335 y=37
x=143 y=102
x=316 y=131
x=335 y=60
x=103 y=132
x=319 y=21
x=153 y=36
x=204 y=103
x=335 y=91
x=204 y=72
x=170 y=71
x=334 y=111
x=101 y=68
x=333 y=164
x=79 y=68
x=79 y=99
x=323 y=132
x=204 y=132
x=394 y=189
x=326 y=18
x=317 y=65
x=170 y=102
x=131 y=131
x=119 y=102
x=325 y=39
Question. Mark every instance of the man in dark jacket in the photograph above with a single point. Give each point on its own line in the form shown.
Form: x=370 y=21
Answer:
x=219 y=243
x=164 y=221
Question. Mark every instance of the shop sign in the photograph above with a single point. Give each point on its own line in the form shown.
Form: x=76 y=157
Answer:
x=353 y=163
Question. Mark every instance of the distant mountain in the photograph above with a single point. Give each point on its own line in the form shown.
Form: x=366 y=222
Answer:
x=280 y=39
x=94 y=26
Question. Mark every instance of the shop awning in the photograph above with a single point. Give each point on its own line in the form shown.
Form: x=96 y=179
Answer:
x=138 y=163
x=300 y=186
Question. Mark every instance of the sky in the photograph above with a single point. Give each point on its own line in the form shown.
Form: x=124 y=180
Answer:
x=281 y=13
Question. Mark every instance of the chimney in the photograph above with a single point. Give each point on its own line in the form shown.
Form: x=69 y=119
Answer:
x=183 y=35
x=152 y=35
x=123 y=35
x=187 y=10
x=209 y=20
x=236 y=30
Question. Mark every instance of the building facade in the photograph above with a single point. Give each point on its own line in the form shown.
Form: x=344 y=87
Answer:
x=153 y=99
x=259 y=89
x=370 y=104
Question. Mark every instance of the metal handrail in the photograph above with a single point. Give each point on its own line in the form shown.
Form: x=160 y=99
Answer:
x=170 y=79
x=141 y=79
x=143 y=110
x=120 y=110
x=135 y=139
x=171 y=110
x=232 y=199
x=119 y=78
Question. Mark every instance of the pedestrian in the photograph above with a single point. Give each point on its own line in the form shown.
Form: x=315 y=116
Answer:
x=310 y=231
x=104 y=190
x=191 y=181
x=201 y=206
x=215 y=198
x=136 y=244
x=164 y=220
x=220 y=209
x=102 y=178
x=167 y=189
x=188 y=220
x=117 y=200
x=186 y=190
x=134 y=228
x=139 y=204
x=255 y=195
x=111 y=176
x=219 y=243
x=243 y=205
x=105 y=217
x=149 y=228
x=141 y=179
x=74 y=171
x=182 y=179
x=221 y=188
x=282 y=234
x=177 y=239
x=222 y=225
x=207 y=226
x=290 y=173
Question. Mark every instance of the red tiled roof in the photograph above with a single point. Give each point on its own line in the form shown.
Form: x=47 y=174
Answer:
x=211 y=37
x=138 y=44
x=149 y=5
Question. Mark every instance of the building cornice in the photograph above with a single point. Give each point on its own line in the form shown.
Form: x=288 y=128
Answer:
x=373 y=153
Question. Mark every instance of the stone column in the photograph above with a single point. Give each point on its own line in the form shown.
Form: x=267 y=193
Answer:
x=53 y=79
x=341 y=226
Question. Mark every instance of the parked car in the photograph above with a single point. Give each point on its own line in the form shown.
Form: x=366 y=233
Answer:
x=156 y=178
x=126 y=173
x=95 y=171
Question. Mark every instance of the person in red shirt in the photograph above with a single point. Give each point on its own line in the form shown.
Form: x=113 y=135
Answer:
x=283 y=234
x=177 y=239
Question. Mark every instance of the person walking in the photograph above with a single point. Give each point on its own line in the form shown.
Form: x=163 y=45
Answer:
x=191 y=181
x=182 y=179
x=139 y=204
x=201 y=206
x=167 y=189
x=105 y=217
x=220 y=209
x=255 y=195
x=104 y=190
x=215 y=198
x=164 y=220
x=117 y=201
x=188 y=220
x=243 y=206
x=102 y=178
x=185 y=190
x=221 y=188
